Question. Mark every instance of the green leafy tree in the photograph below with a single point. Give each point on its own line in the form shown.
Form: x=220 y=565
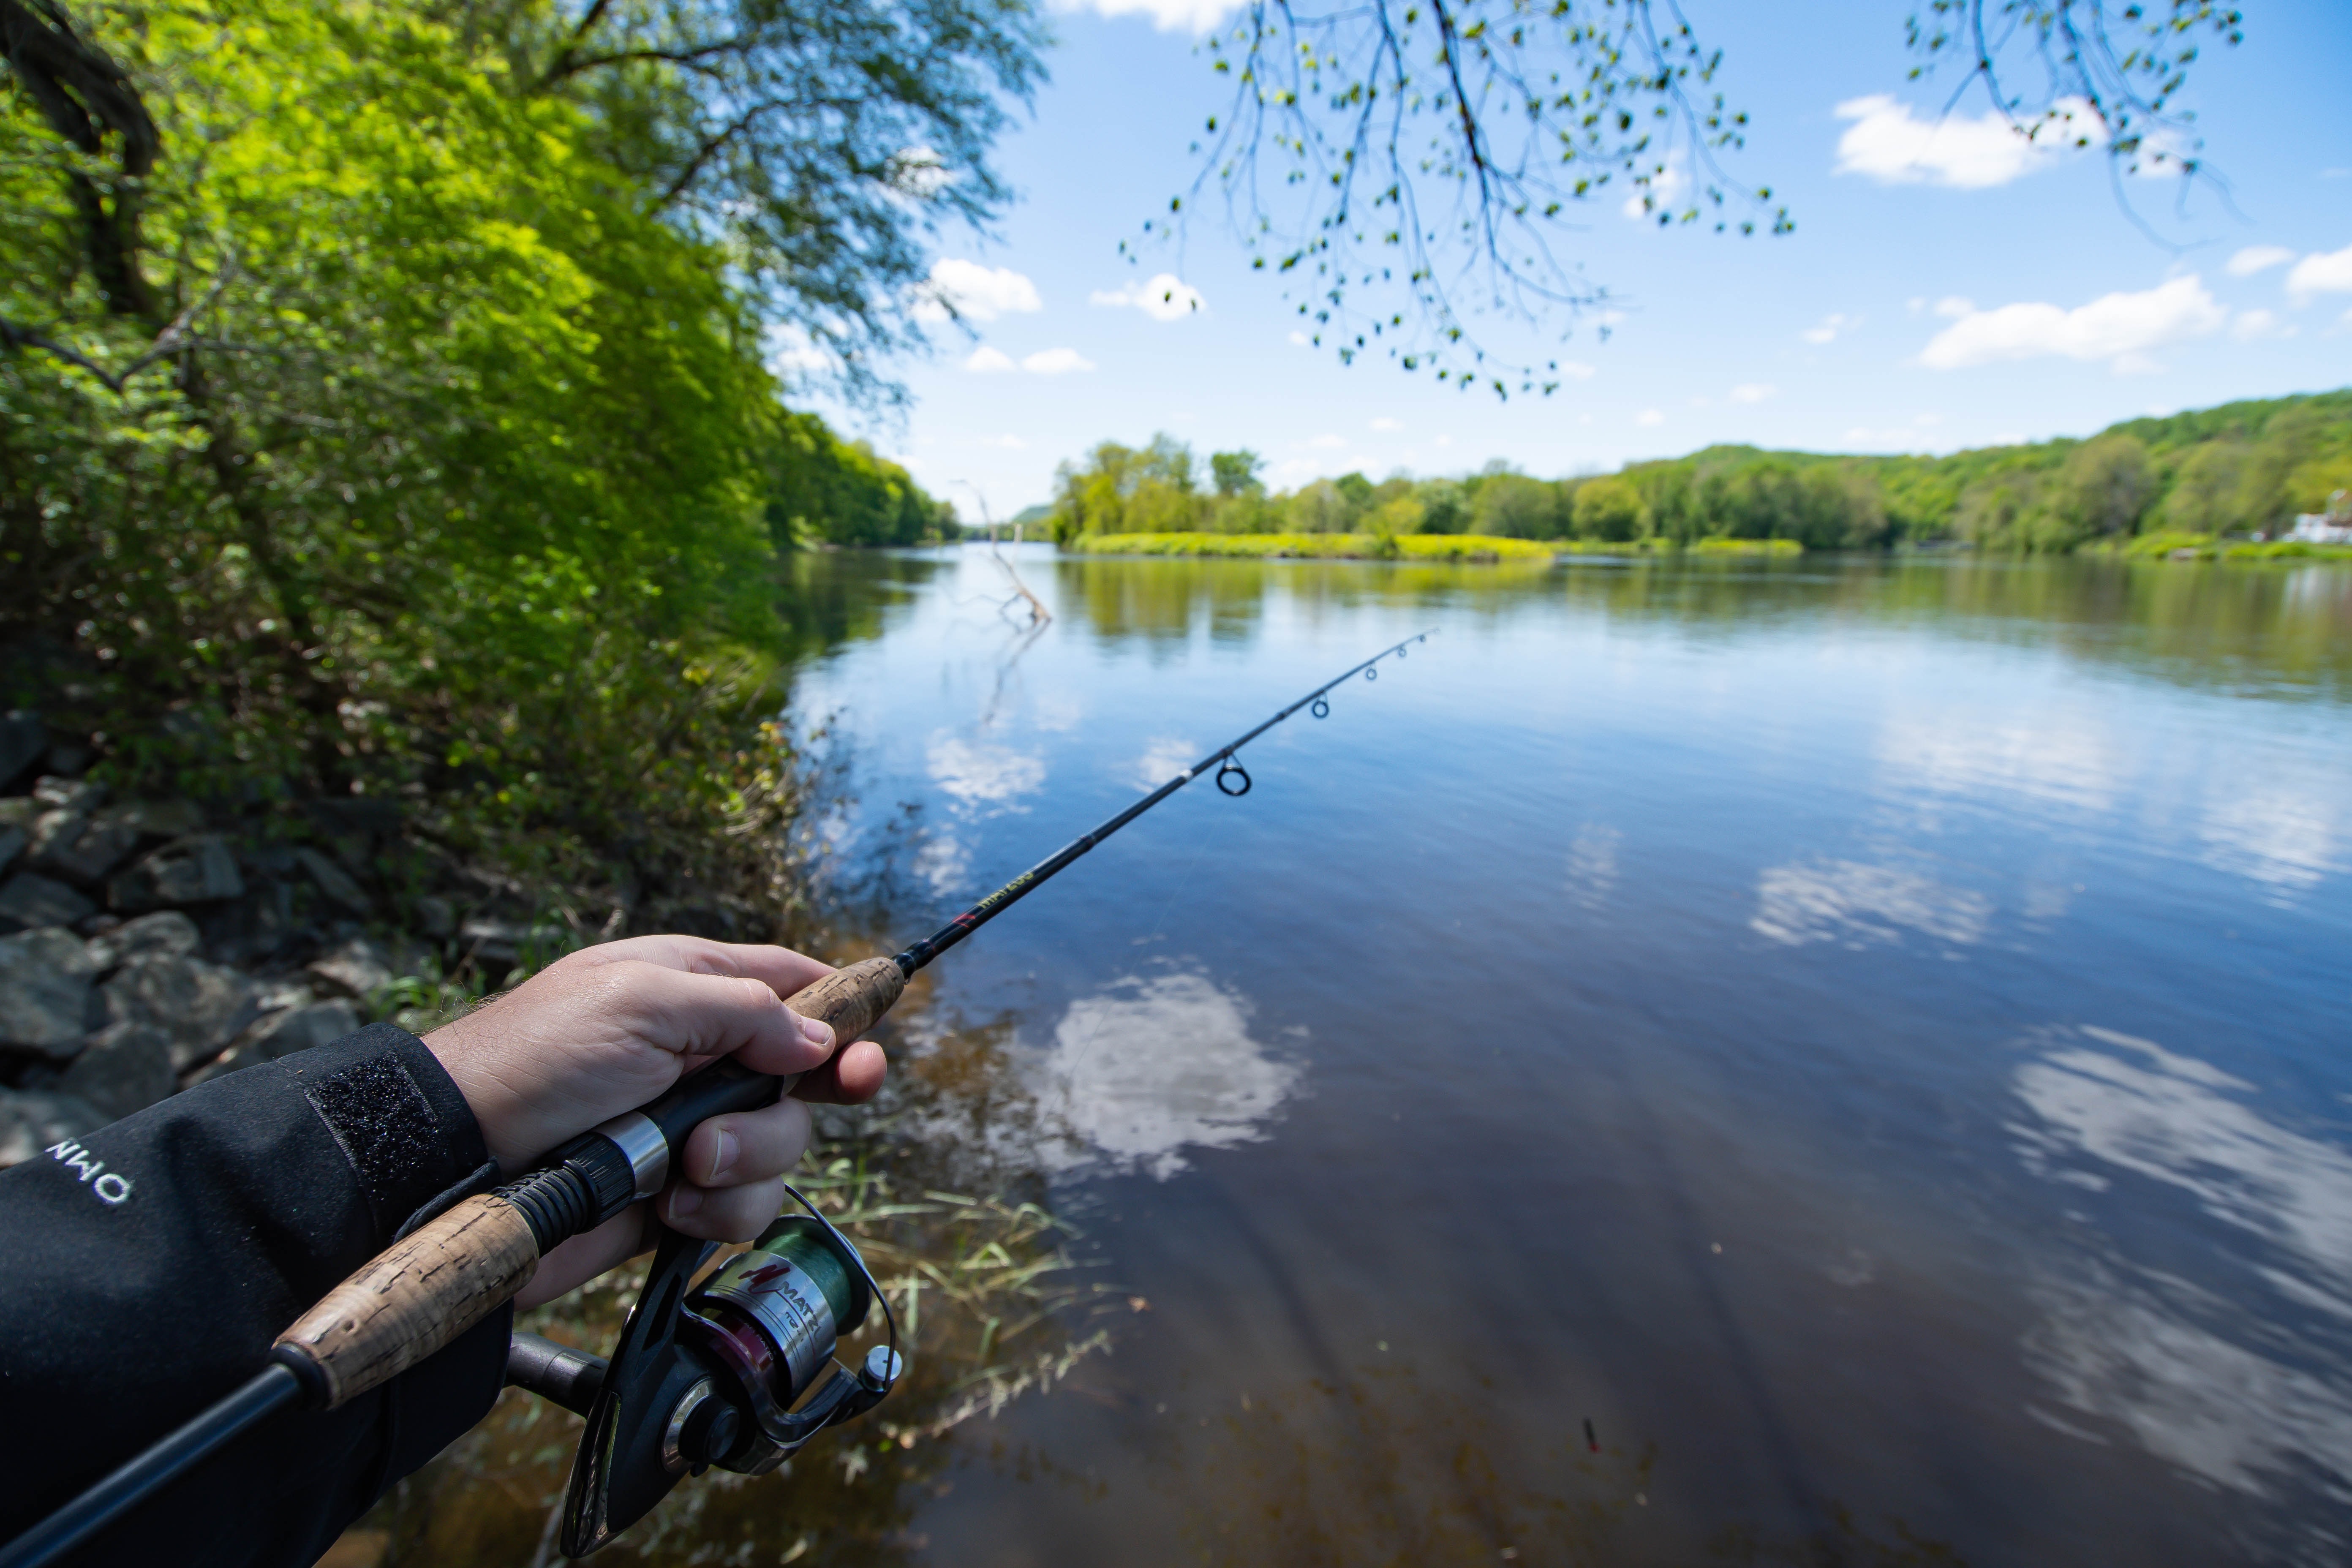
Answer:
x=1516 y=507
x=1128 y=489
x=1608 y=508
x=2103 y=489
x=1406 y=167
x=343 y=438
x=820 y=488
x=1236 y=473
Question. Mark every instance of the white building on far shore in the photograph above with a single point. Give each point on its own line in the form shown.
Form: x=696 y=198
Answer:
x=2333 y=526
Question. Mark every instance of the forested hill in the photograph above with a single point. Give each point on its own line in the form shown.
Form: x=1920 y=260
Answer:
x=2241 y=467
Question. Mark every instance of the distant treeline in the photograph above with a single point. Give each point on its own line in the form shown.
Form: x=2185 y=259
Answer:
x=824 y=489
x=2241 y=468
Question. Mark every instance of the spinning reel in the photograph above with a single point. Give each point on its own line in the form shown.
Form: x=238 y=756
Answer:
x=736 y=1371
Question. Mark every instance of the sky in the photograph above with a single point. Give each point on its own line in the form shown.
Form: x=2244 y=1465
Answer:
x=1945 y=286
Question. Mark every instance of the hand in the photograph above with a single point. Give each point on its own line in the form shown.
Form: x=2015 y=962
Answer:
x=606 y=1029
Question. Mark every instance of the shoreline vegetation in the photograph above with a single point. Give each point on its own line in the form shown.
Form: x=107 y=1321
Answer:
x=1490 y=549
x=2215 y=483
x=1477 y=548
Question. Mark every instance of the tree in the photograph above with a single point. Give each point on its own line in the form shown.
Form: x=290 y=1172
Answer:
x=382 y=467
x=2103 y=489
x=1236 y=473
x=1608 y=509
x=1128 y=489
x=1405 y=166
x=1517 y=507
x=823 y=488
x=2210 y=490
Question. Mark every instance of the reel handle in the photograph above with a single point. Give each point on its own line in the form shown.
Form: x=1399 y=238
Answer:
x=453 y=1271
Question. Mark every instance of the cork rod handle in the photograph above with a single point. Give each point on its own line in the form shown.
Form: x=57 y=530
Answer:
x=425 y=1289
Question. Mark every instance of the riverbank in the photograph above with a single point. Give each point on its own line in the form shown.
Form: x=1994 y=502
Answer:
x=2176 y=546
x=1489 y=549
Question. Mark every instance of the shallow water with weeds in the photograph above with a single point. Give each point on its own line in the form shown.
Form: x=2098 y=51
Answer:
x=1831 y=1061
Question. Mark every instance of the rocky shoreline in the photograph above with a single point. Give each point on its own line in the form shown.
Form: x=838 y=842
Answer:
x=149 y=945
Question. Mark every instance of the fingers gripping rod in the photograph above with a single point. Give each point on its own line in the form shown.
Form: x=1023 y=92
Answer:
x=455 y=1269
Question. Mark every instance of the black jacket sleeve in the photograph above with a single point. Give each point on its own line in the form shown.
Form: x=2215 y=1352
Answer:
x=145 y=1271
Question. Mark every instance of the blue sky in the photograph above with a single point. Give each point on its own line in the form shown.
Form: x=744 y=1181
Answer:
x=1942 y=289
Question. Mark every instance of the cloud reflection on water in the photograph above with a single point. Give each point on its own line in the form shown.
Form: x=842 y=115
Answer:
x=2072 y=765
x=1147 y=1068
x=2274 y=832
x=2247 y=1392
x=1847 y=901
x=974 y=772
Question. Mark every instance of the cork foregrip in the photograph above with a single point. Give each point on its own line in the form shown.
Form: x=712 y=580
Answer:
x=853 y=999
x=417 y=1295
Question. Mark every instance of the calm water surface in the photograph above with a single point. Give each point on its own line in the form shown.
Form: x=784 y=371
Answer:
x=1763 y=1064
x=1868 y=1040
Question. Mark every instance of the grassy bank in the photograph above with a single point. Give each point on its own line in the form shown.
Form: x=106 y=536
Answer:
x=1472 y=547
x=2178 y=546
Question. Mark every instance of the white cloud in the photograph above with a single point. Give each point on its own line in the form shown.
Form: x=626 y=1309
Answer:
x=919 y=172
x=1955 y=305
x=792 y=350
x=1327 y=443
x=975 y=293
x=985 y=359
x=1056 y=361
x=2252 y=326
x=1830 y=326
x=2257 y=257
x=1891 y=145
x=1666 y=188
x=2117 y=328
x=1649 y=417
x=1576 y=370
x=1164 y=297
x=1387 y=424
x=1299 y=340
x=1194 y=16
x=2317 y=274
x=1009 y=443
x=1752 y=391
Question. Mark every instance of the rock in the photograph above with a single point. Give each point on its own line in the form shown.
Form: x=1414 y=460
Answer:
x=80 y=848
x=245 y=930
x=125 y=1068
x=80 y=796
x=22 y=742
x=285 y=991
x=12 y=844
x=494 y=941
x=20 y=812
x=70 y=758
x=336 y=883
x=45 y=979
x=358 y=968
x=196 y=870
x=437 y=917
x=166 y=931
x=283 y=1034
x=199 y=1006
x=32 y=1122
x=30 y=901
x=157 y=818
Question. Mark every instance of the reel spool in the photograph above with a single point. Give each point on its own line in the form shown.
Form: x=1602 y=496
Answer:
x=736 y=1371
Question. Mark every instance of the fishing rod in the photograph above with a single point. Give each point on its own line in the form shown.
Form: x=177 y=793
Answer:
x=723 y=1373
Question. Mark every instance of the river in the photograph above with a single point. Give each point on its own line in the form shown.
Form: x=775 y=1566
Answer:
x=1834 y=1062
